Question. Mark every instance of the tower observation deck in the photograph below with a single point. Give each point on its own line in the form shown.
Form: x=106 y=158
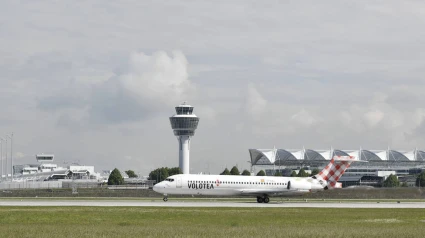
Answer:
x=184 y=124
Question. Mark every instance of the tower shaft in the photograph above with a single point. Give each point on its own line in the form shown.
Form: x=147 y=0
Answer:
x=184 y=151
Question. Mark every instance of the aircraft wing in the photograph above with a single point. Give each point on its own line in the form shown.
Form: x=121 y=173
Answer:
x=250 y=191
x=270 y=192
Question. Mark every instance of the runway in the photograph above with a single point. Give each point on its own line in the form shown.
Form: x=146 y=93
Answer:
x=157 y=203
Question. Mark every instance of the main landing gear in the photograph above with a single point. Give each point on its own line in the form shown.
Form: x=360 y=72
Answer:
x=165 y=198
x=262 y=199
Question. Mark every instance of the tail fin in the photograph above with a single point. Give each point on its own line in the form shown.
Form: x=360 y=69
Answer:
x=334 y=170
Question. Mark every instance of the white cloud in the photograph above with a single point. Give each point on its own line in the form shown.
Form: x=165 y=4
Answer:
x=159 y=78
x=255 y=104
x=303 y=118
x=19 y=155
x=372 y=118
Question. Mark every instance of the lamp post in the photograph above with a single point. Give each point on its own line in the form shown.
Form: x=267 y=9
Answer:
x=1 y=157
x=11 y=156
x=6 y=159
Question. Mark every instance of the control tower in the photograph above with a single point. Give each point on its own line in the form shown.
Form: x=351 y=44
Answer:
x=184 y=124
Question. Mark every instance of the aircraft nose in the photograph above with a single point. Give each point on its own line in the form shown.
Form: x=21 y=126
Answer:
x=157 y=187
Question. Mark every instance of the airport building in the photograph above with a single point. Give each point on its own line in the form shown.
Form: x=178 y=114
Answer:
x=46 y=170
x=373 y=169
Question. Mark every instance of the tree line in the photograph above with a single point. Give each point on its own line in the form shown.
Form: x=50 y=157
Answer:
x=160 y=174
x=392 y=181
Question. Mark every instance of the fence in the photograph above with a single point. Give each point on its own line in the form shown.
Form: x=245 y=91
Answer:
x=31 y=185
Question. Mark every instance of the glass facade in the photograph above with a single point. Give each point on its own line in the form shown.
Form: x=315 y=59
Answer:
x=420 y=155
x=312 y=155
x=396 y=156
x=189 y=123
x=184 y=110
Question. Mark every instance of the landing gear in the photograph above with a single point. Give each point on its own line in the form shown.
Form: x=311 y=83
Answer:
x=264 y=199
x=165 y=198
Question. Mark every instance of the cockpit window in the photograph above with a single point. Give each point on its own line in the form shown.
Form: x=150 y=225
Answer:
x=169 y=180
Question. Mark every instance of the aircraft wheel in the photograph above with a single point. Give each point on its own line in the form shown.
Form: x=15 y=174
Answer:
x=165 y=199
x=266 y=199
x=260 y=200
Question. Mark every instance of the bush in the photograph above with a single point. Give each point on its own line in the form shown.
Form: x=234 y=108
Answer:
x=391 y=181
x=235 y=171
x=302 y=173
x=246 y=173
x=115 y=178
x=225 y=172
x=131 y=174
x=420 y=180
x=261 y=173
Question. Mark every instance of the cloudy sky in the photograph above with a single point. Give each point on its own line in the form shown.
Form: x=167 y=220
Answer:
x=94 y=82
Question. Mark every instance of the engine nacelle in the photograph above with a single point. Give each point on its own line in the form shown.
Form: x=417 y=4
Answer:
x=299 y=185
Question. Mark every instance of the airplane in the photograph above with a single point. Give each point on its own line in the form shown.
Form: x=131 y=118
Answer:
x=260 y=186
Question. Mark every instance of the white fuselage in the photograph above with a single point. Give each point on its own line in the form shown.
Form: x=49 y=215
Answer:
x=228 y=185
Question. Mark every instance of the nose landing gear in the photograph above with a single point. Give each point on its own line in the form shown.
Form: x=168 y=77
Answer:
x=165 y=198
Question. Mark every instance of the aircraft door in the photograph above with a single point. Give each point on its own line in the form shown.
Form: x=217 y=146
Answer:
x=179 y=182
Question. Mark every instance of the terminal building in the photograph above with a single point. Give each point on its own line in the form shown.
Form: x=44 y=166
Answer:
x=46 y=170
x=376 y=165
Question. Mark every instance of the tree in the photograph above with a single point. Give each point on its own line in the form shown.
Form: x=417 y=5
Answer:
x=404 y=184
x=246 y=173
x=115 y=178
x=420 y=180
x=173 y=171
x=302 y=173
x=261 y=173
x=315 y=171
x=294 y=174
x=131 y=174
x=235 y=171
x=391 y=181
x=159 y=174
x=278 y=173
x=225 y=172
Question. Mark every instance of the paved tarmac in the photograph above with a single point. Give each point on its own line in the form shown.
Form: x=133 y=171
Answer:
x=156 y=203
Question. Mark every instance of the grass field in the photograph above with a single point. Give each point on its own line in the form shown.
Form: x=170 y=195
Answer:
x=209 y=222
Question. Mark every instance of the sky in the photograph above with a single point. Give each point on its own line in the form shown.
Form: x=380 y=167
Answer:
x=95 y=82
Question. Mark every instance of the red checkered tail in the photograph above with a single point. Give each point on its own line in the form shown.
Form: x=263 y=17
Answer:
x=334 y=170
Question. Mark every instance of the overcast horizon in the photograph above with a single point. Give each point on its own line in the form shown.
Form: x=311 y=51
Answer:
x=95 y=82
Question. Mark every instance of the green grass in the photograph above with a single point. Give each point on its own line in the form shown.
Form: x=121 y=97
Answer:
x=210 y=199
x=209 y=222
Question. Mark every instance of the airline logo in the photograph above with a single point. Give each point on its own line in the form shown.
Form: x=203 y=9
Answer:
x=334 y=170
x=196 y=186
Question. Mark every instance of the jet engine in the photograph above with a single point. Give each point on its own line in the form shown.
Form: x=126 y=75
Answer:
x=299 y=185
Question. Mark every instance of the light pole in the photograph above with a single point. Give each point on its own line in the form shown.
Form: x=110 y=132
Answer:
x=6 y=158
x=11 y=156
x=1 y=157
